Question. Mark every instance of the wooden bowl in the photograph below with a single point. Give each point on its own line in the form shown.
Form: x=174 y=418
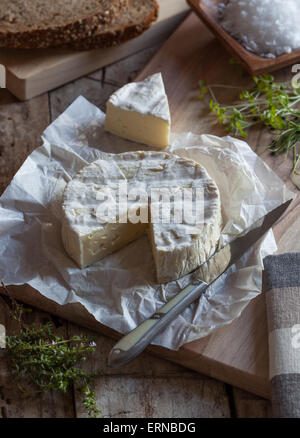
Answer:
x=254 y=64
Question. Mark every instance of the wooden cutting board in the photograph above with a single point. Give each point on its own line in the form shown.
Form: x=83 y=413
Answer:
x=238 y=353
x=30 y=73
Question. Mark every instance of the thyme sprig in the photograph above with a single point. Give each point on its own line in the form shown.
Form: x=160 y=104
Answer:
x=44 y=361
x=269 y=103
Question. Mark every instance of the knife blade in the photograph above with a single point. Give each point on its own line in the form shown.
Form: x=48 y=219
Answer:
x=132 y=344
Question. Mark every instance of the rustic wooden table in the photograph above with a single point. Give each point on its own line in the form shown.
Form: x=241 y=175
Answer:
x=149 y=387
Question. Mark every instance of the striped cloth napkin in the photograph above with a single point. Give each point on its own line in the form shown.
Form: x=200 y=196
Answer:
x=282 y=287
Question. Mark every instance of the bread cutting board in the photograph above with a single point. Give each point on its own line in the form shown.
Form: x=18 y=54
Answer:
x=238 y=353
x=33 y=72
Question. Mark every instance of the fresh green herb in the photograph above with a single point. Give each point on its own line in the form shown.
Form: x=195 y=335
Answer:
x=233 y=61
x=272 y=104
x=45 y=361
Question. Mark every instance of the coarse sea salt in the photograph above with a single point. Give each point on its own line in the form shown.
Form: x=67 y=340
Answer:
x=268 y=28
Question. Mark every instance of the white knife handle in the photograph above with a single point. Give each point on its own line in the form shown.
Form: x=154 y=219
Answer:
x=131 y=345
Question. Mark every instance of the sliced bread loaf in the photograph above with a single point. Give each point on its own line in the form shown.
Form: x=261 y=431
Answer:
x=138 y=18
x=47 y=23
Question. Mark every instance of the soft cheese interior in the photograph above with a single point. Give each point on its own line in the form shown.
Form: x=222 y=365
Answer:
x=176 y=251
x=139 y=111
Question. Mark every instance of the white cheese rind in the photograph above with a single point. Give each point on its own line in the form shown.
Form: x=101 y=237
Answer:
x=174 y=260
x=175 y=251
x=139 y=111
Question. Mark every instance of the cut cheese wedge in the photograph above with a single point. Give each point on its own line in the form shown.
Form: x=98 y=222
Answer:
x=88 y=236
x=139 y=111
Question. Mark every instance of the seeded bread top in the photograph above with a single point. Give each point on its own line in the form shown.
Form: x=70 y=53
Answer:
x=132 y=23
x=22 y=15
x=49 y=23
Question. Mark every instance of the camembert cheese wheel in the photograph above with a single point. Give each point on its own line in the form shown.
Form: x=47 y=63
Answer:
x=113 y=201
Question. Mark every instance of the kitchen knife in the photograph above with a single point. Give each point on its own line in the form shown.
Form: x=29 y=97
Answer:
x=131 y=345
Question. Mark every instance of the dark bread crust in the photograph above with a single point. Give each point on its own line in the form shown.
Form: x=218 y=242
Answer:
x=62 y=35
x=118 y=34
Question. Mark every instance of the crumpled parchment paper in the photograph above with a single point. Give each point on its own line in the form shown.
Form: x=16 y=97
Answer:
x=120 y=290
